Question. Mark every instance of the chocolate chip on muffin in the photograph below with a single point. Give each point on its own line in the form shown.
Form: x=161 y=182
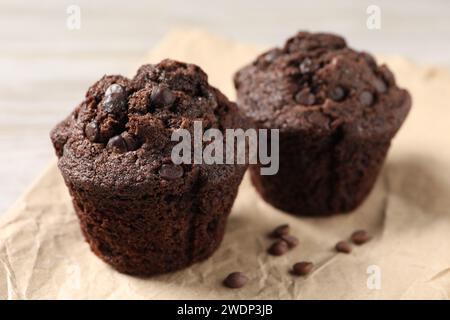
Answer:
x=117 y=144
x=366 y=98
x=131 y=142
x=305 y=97
x=92 y=131
x=171 y=172
x=140 y=213
x=337 y=111
x=337 y=93
x=115 y=99
x=162 y=96
x=306 y=66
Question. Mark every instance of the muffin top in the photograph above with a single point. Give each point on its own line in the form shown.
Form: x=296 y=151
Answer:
x=316 y=84
x=120 y=135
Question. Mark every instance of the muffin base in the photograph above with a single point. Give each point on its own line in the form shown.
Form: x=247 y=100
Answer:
x=323 y=176
x=152 y=233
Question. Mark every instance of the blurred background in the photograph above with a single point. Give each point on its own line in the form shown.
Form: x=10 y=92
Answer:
x=47 y=64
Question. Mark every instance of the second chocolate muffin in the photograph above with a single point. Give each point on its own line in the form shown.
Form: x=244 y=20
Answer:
x=337 y=111
x=138 y=211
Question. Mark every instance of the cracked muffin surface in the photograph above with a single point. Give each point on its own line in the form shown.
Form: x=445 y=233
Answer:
x=120 y=135
x=316 y=83
x=140 y=212
x=337 y=111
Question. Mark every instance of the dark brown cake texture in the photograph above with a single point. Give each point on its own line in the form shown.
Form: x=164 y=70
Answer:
x=337 y=111
x=138 y=211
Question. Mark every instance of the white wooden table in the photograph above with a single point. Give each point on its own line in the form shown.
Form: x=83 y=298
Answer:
x=45 y=68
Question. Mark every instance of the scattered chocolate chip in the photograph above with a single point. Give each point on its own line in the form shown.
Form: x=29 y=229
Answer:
x=279 y=231
x=130 y=141
x=290 y=240
x=92 y=131
x=380 y=85
x=343 y=246
x=171 y=171
x=278 y=248
x=337 y=93
x=360 y=237
x=302 y=268
x=235 y=280
x=366 y=98
x=305 y=98
x=306 y=66
x=115 y=99
x=162 y=96
x=117 y=144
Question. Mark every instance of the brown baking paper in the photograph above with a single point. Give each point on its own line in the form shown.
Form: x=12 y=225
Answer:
x=43 y=254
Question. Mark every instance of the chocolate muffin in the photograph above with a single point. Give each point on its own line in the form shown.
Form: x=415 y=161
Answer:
x=337 y=111
x=139 y=211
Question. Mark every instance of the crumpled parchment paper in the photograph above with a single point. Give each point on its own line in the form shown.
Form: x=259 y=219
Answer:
x=43 y=254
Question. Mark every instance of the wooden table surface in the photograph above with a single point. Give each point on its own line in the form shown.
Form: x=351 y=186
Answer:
x=46 y=67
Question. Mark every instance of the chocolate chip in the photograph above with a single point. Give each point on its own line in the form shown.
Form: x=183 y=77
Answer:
x=360 y=237
x=162 y=96
x=380 y=85
x=171 y=171
x=387 y=75
x=114 y=89
x=117 y=144
x=115 y=99
x=302 y=268
x=278 y=248
x=271 y=55
x=337 y=93
x=306 y=66
x=280 y=231
x=92 y=131
x=369 y=59
x=235 y=280
x=305 y=98
x=130 y=141
x=290 y=240
x=343 y=246
x=366 y=98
